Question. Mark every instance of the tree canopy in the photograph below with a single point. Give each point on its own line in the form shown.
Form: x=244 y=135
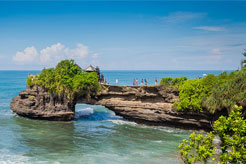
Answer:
x=66 y=79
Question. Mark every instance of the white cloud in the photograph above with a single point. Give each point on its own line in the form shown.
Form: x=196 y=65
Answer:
x=209 y=28
x=182 y=16
x=58 y=52
x=52 y=54
x=80 y=52
x=26 y=57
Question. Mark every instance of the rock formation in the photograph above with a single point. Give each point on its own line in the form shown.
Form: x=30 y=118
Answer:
x=37 y=103
x=152 y=105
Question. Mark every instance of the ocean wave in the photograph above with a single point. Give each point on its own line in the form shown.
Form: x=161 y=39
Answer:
x=84 y=112
x=123 y=122
x=6 y=157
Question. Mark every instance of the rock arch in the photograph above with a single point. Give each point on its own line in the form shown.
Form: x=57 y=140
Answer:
x=152 y=105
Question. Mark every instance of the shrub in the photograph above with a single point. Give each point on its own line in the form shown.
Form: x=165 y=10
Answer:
x=193 y=92
x=168 y=81
x=198 y=148
x=228 y=92
x=232 y=134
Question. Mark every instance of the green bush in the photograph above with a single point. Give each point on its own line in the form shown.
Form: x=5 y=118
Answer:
x=168 y=81
x=213 y=93
x=193 y=92
x=198 y=148
x=66 y=79
x=232 y=134
x=228 y=92
x=190 y=95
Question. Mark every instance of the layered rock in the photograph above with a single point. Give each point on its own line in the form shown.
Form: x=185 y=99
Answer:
x=152 y=105
x=37 y=103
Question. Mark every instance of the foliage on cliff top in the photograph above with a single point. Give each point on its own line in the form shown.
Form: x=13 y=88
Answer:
x=66 y=79
x=232 y=136
x=176 y=82
x=226 y=94
x=193 y=92
x=212 y=93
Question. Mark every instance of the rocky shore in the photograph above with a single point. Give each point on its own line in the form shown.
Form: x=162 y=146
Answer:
x=151 y=105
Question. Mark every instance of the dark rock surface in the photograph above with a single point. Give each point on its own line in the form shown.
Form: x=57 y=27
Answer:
x=39 y=104
x=151 y=105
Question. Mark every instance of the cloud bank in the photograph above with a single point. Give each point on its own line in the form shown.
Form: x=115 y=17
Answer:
x=51 y=54
x=27 y=56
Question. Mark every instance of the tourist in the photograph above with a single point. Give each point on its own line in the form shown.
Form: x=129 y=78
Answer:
x=155 y=81
x=145 y=81
x=142 y=82
x=133 y=82
x=136 y=81
x=116 y=81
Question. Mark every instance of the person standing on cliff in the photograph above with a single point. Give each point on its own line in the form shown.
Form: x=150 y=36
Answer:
x=155 y=81
x=116 y=81
x=142 y=82
x=136 y=81
x=145 y=81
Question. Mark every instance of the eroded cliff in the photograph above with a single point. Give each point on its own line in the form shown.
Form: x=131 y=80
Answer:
x=152 y=105
x=37 y=103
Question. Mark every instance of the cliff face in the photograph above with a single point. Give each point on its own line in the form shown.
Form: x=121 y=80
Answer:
x=152 y=105
x=39 y=104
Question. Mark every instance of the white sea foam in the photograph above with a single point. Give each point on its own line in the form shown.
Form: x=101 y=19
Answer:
x=122 y=122
x=6 y=157
x=84 y=112
x=158 y=141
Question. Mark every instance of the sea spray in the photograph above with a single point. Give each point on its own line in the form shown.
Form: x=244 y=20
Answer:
x=84 y=112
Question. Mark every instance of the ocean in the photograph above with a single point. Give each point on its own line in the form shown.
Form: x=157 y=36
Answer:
x=96 y=136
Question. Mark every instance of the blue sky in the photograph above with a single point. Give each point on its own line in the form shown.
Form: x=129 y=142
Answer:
x=137 y=35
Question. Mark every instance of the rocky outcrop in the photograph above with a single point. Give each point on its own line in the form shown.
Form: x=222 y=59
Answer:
x=39 y=104
x=152 y=105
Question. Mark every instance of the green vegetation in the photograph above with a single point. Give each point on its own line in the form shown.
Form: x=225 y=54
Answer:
x=230 y=90
x=212 y=93
x=192 y=93
x=66 y=79
x=232 y=135
x=173 y=81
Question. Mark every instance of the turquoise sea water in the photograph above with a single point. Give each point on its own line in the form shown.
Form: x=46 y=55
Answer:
x=95 y=136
